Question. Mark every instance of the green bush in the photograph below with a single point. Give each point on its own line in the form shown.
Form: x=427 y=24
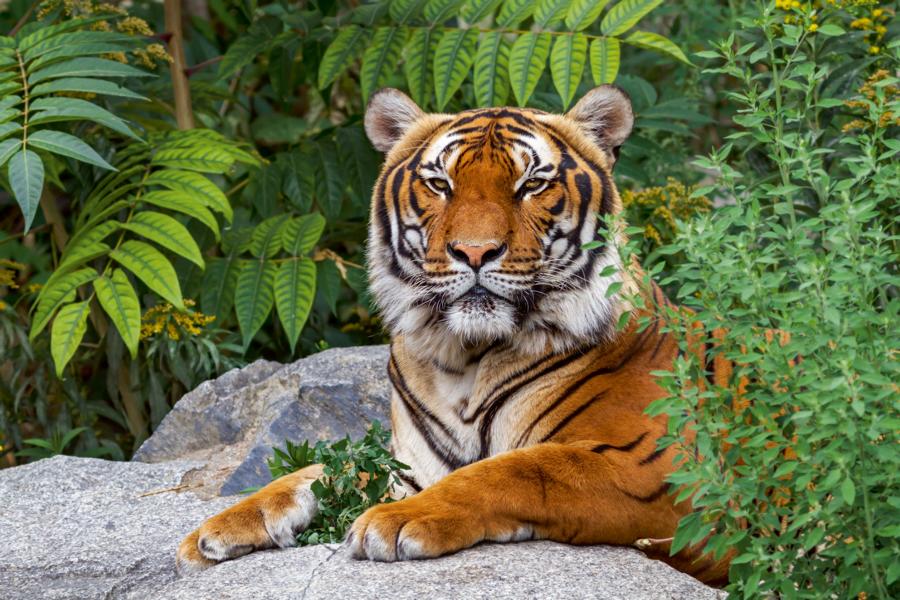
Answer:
x=797 y=473
x=340 y=492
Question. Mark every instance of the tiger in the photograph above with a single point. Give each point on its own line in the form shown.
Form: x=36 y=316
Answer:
x=517 y=400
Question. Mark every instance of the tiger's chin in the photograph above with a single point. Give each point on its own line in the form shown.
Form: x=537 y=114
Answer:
x=479 y=318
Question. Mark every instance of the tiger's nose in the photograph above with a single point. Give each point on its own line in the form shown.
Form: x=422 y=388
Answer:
x=476 y=255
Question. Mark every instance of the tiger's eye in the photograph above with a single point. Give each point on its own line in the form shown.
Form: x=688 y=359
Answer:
x=438 y=185
x=533 y=184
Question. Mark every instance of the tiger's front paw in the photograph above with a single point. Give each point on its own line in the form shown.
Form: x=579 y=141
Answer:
x=413 y=528
x=270 y=518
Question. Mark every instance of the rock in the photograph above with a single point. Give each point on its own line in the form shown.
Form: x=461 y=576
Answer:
x=231 y=423
x=87 y=528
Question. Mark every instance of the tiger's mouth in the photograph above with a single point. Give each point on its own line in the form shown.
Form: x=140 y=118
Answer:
x=480 y=315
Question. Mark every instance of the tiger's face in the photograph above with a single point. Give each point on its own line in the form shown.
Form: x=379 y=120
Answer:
x=479 y=221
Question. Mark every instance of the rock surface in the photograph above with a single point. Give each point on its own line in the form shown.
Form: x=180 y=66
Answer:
x=87 y=528
x=231 y=423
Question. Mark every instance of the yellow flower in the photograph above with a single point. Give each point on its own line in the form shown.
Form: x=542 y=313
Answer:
x=3 y=305
x=8 y=278
x=812 y=28
x=874 y=49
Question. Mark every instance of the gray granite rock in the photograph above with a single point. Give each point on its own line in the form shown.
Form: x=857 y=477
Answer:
x=231 y=423
x=86 y=528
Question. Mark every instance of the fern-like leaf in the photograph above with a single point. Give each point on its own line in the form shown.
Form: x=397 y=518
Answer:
x=527 y=60
x=604 y=60
x=452 y=60
x=567 y=61
x=492 y=70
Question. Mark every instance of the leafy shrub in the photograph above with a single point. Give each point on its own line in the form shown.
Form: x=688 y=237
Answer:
x=795 y=464
x=215 y=216
x=357 y=475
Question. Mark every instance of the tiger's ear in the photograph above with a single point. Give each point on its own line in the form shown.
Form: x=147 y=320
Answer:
x=605 y=115
x=389 y=115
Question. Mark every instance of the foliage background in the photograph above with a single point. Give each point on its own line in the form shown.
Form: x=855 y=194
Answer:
x=233 y=225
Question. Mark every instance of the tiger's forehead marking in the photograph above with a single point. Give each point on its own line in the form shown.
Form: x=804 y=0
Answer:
x=526 y=146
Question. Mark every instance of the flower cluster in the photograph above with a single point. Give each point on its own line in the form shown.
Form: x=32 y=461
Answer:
x=174 y=322
x=149 y=56
x=867 y=15
x=657 y=208
x=8 y=273
x=869 y=95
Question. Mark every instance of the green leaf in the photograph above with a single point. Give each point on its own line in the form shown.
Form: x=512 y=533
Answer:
x=120 y=301
x=329 y=180
x=302 y=234
x=151 y=267
x=452 y=60
x=85 y=251
x=242 y=52
x=7 y=149
x=381 y=58
x=526 y=63
x=195 y=185
x=202 y=158
x=328 y=282
x=348 y=44
x=474 y=11
x=266 y=239
x=254 y=296
x=82 y=50
x=295 y=289
x=403 y=11
x=108 y=39
x=567 y=65
x=86 y=85
x=58 y=142
x=26 y=178
x=582 y=13
x=605 y=53
x=219 y=282
x=52 y=110
x=492 y=70
x=848 y=491
x=830 y=29
x=624 y=15
x=185 y=204
x=8 y=129
x=86 y=67
x=438 y=11
x=66 y=334
x=550 y=12
x=54 y=294
x=513 y=12
x=419 y=56
x=167 y=232
x=654 y=41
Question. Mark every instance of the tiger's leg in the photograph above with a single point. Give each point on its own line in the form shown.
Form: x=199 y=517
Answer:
x=269 y=518
x=584 y=493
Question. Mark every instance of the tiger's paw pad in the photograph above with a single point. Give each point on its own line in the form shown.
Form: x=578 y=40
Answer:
x=402 y=531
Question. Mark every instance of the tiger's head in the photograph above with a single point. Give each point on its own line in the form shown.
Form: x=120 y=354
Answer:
x=479 y=221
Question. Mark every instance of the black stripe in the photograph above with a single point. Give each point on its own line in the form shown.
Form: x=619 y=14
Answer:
x=600 y=449
x=653 y=497
x=572 y=415
x=409 y=480
x=653 y=457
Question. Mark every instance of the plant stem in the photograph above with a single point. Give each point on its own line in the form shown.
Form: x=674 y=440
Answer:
x=181 y=89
